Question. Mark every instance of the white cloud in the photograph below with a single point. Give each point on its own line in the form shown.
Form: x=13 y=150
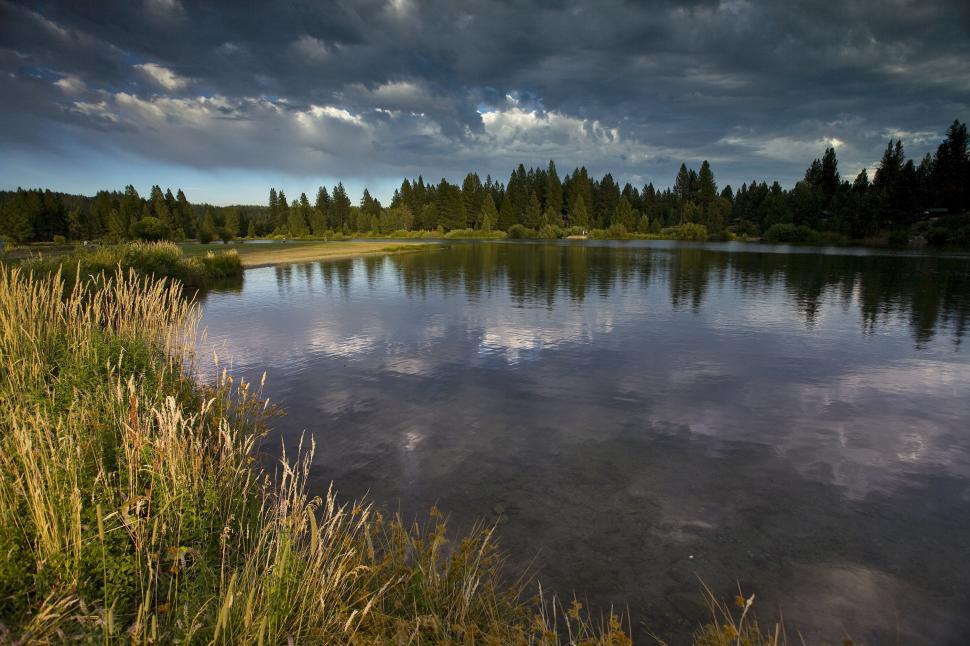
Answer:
x=71 y=85
x=912 y=137
x=163 y=76
x=397 y=94
x=518 y=131
x=96 y=110
x=332 y=112
x=786 y=148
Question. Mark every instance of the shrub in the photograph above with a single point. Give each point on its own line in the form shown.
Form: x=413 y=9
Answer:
x=519 y=232
x=158 y=259
x=899 y=237
x=205 y=235
x=746 y=228
x=150 y=229
x=59 y=240
x=550 y=232
x=474 y=234
x=938 y=237
x=961 y=237
x=832 y=238
x=686 y=231
x=789 y=233
x=617 y=231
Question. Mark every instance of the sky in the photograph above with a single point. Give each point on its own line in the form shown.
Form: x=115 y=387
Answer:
x=226 y=99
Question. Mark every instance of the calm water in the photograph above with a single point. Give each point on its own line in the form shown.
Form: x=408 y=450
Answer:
x=639 y=415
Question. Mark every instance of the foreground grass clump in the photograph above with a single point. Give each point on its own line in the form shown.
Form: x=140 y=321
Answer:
x=159 y=259
x=132 y=507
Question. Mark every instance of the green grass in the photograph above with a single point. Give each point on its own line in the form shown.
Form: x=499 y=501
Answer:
x=133 y=508
x=474 y=234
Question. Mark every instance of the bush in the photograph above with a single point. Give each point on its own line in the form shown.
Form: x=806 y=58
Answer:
x=686 y=231
x=59 y=240
x=150 y=229
x=961 y=237
x=550 y=232
x=832 y=238
x=746 y=228
x=789 y=233
x=519 y=232
x=158 y=259
x=899 y=237
x=938 y=236
x=474 y=234
x=205 y=235
x=617 y=232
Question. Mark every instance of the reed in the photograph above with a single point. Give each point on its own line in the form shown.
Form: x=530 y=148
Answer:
x=132 y=506
x=157 y=259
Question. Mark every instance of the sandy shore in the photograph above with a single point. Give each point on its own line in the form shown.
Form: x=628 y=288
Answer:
x=277 y=253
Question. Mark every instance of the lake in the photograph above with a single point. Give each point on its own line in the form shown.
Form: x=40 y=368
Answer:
x=637 y=416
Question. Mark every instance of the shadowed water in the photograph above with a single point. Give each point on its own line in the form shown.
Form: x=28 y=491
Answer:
x=637 y=415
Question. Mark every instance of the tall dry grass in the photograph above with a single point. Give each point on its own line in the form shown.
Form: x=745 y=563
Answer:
x=132 y=506
x=149 y=259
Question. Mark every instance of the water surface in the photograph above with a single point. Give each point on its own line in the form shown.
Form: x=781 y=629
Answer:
x=637 y=415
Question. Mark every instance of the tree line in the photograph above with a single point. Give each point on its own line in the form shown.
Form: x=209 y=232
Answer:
x=929 y=197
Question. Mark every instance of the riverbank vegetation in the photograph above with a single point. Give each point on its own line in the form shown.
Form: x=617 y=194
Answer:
x=133 y=506
x=295 y=251
x=158 y=259
x=907 y=201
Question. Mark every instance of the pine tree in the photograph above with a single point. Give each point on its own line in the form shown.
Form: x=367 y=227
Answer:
x=472 y=194
x=506 y=214
x=232 y=222
x=623 y=215
x=274 y=207
x=185 y=216
x=706 y=188
x=488 y=216
x=450 y=207
x=682 y=184
x=578 y=216
x=951 y=170
x=553 y=193
x=296 y=222
x=207 y=229
x=282 y=212
x=340 y=210
x=15 y=221
x=607 y=197
x=532 y=214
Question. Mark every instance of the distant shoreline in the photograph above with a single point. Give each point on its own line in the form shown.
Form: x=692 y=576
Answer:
x=285 y=253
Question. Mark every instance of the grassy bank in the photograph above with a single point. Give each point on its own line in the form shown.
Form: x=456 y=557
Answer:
x=131 y=507
x=273 y=253
x=160 y=259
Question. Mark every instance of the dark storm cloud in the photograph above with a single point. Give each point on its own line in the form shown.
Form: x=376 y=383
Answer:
x=759 y=88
